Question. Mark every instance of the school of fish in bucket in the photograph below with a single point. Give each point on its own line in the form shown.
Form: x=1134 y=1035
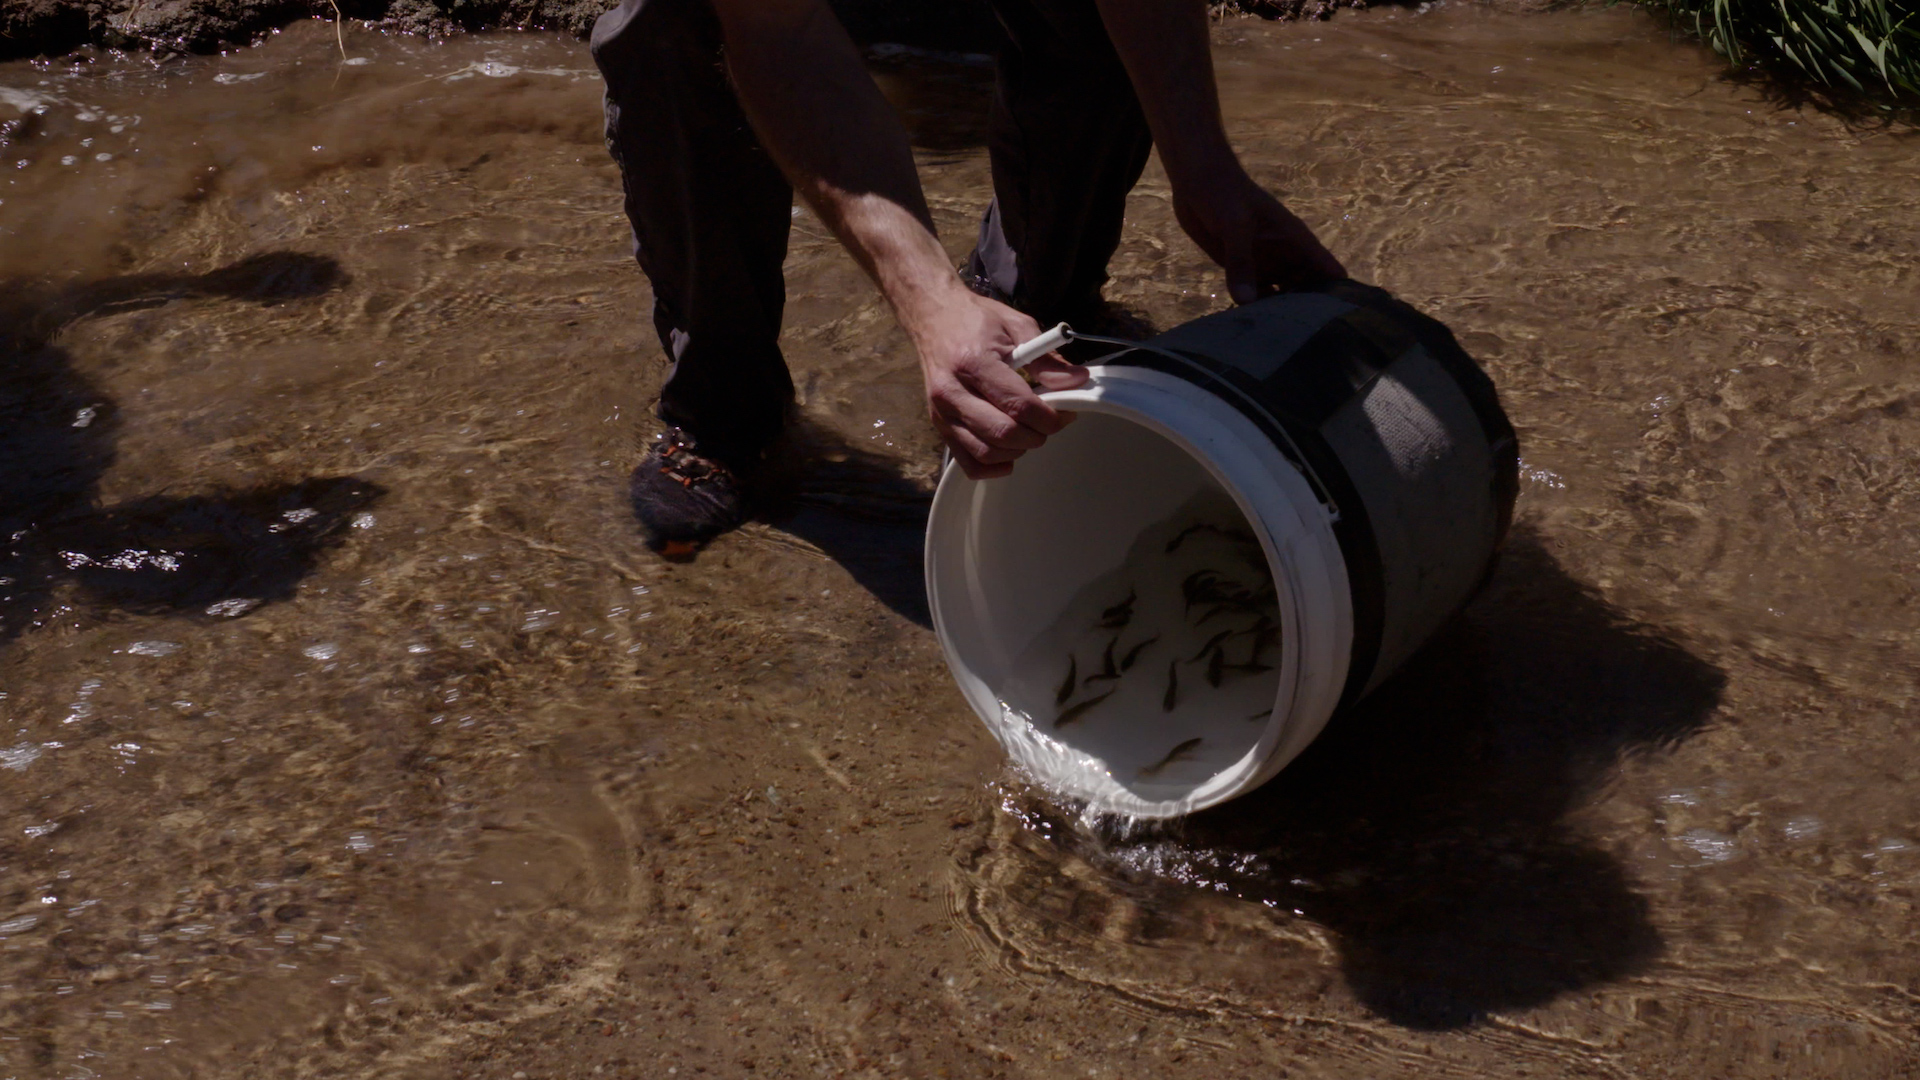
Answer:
x=1182 y=637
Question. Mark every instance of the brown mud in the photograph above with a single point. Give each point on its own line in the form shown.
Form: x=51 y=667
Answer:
x=54 y=27
x=346 y=729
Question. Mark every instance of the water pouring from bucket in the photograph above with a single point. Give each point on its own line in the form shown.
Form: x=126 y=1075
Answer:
x=1258 y=517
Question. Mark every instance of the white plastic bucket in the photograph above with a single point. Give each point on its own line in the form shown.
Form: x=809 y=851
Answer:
x=1368 y=456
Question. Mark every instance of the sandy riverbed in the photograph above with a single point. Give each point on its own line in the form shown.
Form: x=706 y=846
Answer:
x=478 y=788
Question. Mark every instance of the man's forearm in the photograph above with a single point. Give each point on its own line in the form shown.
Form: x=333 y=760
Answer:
x=1169 y=59
x=820 y=115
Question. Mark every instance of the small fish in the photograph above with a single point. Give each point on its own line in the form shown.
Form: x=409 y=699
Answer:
x=1077 y=711
x=1178 y=753
x=1200 y=527
x=1270 y=635
x=1117 y=616
x=1061 y=695
x=1221 y=608
x=1261 y=715
x=1134 y=653
x=1181 y=536
x=1212 y=644
x=1265 y=634
x=1261 y=628
x=1216 y=664
x=1211 y=587
x=1200 y=587
x=1173 y=686
x=1211 y=612
x=1107 y=670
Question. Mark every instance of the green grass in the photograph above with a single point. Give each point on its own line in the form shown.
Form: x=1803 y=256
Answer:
x=1867 y=46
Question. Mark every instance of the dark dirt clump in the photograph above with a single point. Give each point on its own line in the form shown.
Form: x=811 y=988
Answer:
x=55 y=27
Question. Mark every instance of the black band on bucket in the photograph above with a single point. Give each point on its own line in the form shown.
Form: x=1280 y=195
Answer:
x=1394 y=326
x=1334 y=366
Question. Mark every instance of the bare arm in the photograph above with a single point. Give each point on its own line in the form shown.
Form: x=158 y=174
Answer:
x=817 y=111
x=1261 y=246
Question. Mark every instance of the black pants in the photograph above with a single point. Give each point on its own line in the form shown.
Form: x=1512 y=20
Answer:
x=710 y=210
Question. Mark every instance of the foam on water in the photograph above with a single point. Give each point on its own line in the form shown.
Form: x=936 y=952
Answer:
x=1160 y=673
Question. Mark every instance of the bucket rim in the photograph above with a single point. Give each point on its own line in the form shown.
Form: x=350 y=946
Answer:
x=1295 y=534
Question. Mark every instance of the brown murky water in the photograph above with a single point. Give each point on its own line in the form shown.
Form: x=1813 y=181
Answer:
x=349 y=731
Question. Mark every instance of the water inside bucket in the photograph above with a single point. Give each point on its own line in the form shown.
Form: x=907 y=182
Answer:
x=1163 y=671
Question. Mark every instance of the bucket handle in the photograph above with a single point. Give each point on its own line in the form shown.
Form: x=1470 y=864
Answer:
x=1050 y=340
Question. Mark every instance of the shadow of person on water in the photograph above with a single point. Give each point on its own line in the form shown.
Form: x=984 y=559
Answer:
x=220 y=553
x=864 y=510
x=1427 y=828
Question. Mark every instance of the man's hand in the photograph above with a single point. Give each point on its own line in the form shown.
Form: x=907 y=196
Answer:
x=818 y=112
x=983 y=409
x=1262 y=247
x=1260 y=244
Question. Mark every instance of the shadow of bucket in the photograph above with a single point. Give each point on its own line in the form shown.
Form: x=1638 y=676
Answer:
x=1368 y=454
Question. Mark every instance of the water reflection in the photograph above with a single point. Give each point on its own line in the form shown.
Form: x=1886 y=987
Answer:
x=221 y=553
x=1428 y=829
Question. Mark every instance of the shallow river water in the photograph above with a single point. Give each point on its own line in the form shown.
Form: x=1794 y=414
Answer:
x=348 y=729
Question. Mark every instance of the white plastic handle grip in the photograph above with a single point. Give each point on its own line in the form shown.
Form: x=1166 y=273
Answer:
x=1026 y=352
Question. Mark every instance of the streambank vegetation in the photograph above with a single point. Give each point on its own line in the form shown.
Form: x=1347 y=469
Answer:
x=1868 y=47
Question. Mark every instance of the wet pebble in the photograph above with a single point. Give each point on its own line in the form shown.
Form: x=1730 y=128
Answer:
x=1711 y=846
x=1802 y=828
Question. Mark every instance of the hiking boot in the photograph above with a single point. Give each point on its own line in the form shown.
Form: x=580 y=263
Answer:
x=685 y=498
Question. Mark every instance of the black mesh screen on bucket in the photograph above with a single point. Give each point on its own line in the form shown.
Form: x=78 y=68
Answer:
x=1388 y=322
x=1398 y=427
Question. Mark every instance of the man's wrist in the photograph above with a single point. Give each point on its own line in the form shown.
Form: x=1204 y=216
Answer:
x=920 y=307
x=1205 y=164
x=898 y=250
x=921 y=284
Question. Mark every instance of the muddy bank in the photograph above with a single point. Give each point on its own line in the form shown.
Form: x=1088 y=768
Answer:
x=54 y=27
